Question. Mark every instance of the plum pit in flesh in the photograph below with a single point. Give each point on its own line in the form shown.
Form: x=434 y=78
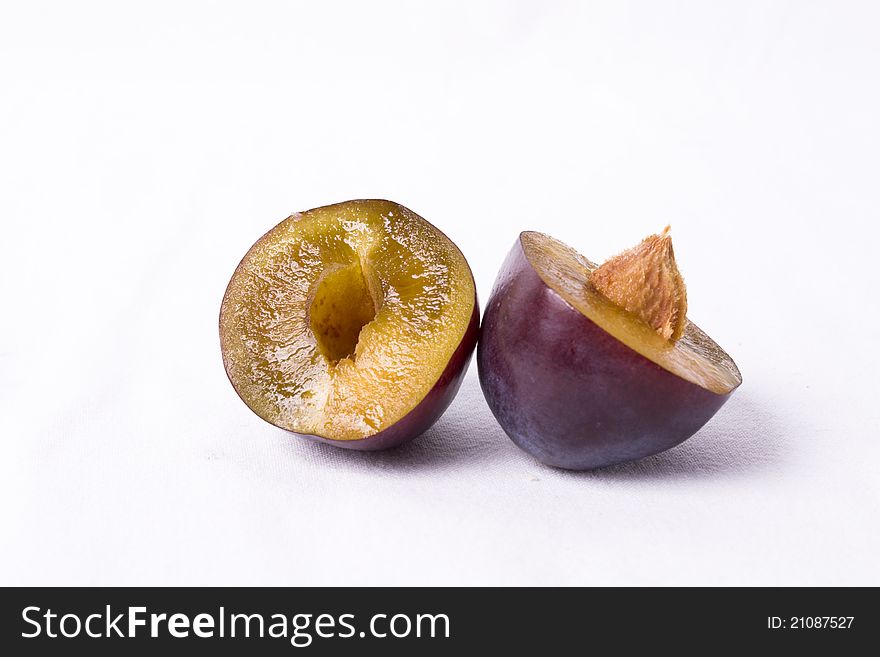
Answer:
x=639 y=298
x=585 y=366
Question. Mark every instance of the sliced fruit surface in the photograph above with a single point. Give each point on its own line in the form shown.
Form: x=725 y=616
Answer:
x=340 y=320
x=691 y=355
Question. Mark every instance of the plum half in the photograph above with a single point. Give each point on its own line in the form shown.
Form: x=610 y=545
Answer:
x=351 y=324
x=587 y=366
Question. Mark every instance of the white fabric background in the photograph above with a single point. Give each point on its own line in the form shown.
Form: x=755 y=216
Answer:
x=144 y=148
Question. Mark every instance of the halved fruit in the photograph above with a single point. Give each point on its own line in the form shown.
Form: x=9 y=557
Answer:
x=587 y=366
x=351 y=324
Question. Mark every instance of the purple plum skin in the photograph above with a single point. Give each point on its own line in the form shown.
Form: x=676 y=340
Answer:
x=569 y=393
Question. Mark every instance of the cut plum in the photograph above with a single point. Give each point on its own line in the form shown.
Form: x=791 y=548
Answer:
x=351 y=323
x=587 y=366
x=686 y=352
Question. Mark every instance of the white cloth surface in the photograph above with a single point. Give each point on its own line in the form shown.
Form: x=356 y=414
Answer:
x=144 y=149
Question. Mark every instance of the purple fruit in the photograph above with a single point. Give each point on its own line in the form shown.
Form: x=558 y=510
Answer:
x=585 y=367
x=351 y=324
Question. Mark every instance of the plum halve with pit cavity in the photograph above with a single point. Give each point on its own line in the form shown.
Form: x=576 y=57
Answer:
x=351 y=324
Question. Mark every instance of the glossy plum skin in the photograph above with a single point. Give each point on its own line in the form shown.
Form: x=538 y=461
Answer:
x=427 y=411
x=569 y=393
